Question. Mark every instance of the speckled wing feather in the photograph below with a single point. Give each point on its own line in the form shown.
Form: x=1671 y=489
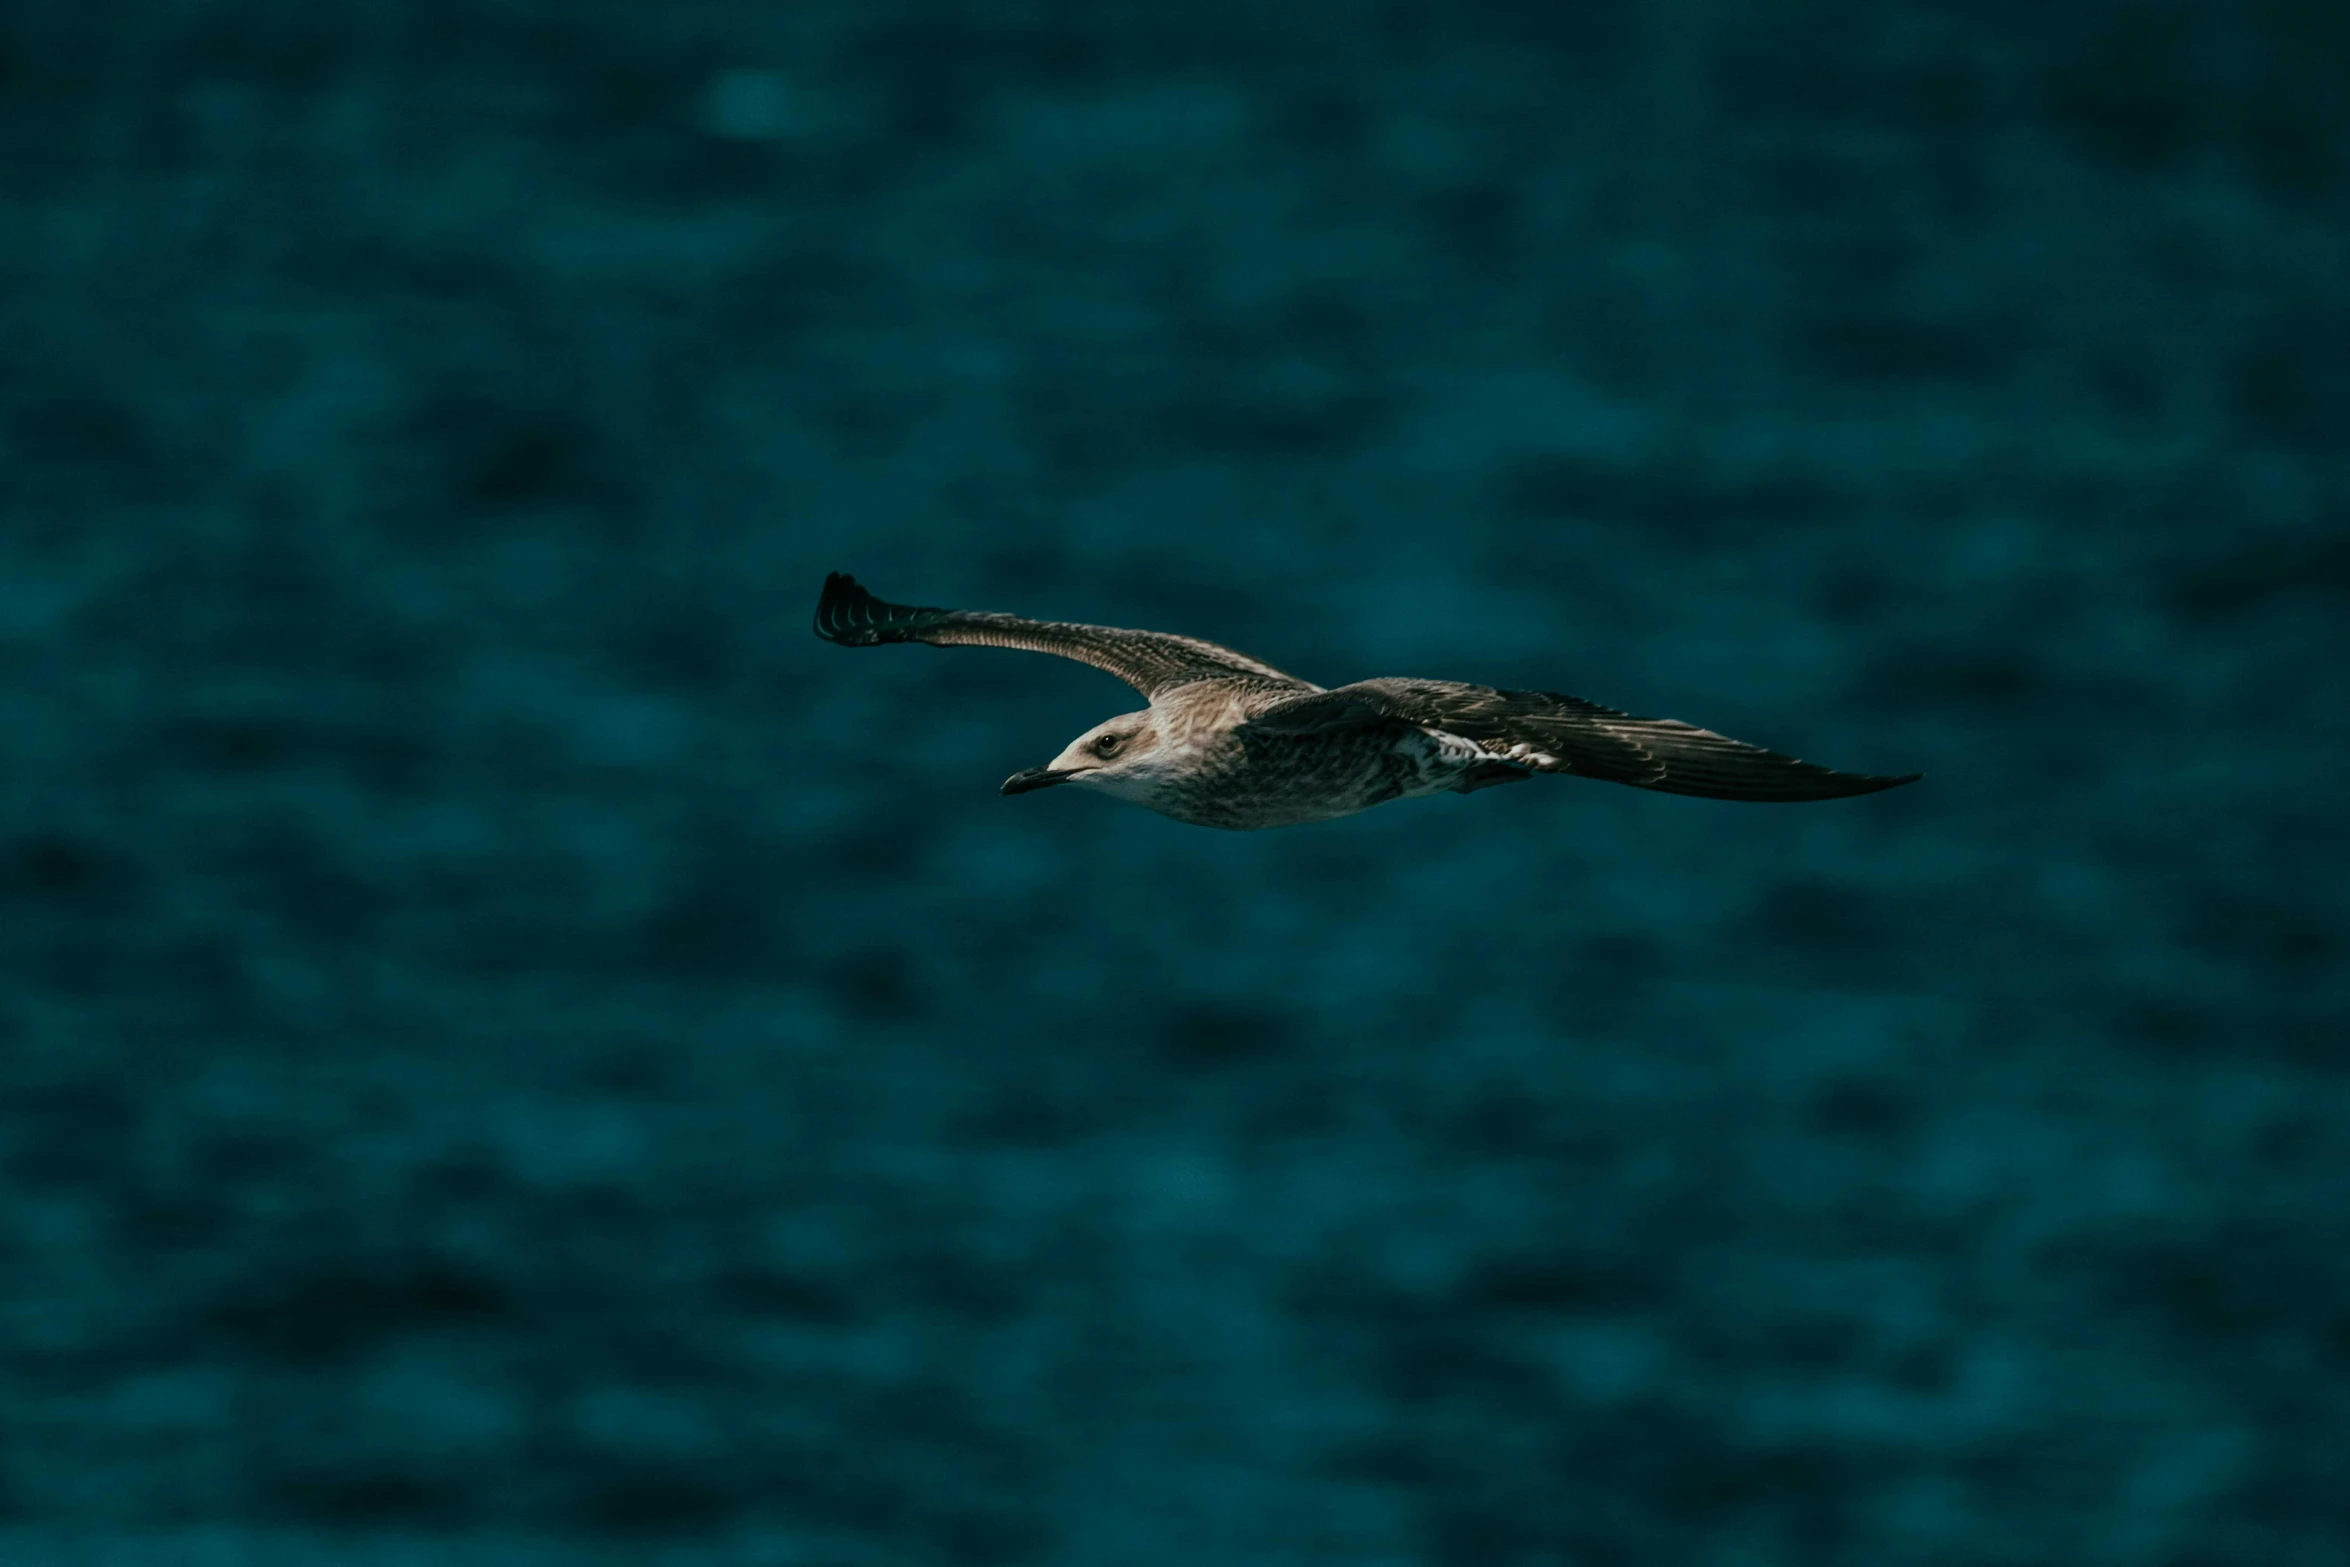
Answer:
x=1563 y=734
x=1149 y=661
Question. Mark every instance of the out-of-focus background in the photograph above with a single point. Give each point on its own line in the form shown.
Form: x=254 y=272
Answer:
x=513 y=1052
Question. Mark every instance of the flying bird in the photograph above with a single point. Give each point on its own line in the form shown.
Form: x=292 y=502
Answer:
x=1230 y=741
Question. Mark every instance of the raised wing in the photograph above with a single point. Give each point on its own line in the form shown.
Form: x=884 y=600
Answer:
x=1564 y=734
x=1149 y=661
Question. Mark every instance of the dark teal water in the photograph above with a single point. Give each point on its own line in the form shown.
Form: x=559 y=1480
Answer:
x=511 y=1051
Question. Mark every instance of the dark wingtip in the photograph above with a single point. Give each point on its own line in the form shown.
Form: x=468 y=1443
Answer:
x=1880 y=782
x=852 y=617
x=1790 y=786
x=1807 y=783
x=837 y=612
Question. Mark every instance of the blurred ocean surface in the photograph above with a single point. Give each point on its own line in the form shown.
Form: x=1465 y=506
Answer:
x=513 y=1052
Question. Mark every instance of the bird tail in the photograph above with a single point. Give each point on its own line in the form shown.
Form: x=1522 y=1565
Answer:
x=852 y=617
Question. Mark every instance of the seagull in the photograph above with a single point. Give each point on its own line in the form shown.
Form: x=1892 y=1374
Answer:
x=1229 y=741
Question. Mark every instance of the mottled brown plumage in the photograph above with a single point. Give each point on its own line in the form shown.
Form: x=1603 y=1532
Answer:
x=1230 y=741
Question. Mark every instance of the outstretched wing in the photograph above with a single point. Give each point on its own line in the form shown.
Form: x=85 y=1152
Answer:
x=1149 y=661
x=1564 y=734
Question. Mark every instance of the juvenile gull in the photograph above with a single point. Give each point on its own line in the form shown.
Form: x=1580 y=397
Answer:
x=1228 y=741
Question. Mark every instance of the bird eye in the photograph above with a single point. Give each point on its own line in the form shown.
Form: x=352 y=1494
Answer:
x=1107 y=745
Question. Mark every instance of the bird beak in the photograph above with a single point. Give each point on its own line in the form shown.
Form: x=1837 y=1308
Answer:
x=1035 y=778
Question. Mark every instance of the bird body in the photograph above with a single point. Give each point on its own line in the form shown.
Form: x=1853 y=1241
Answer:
x=1231 y=742
x=1206 y=763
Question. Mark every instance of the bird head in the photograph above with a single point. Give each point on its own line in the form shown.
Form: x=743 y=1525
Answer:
x=1121 y=756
